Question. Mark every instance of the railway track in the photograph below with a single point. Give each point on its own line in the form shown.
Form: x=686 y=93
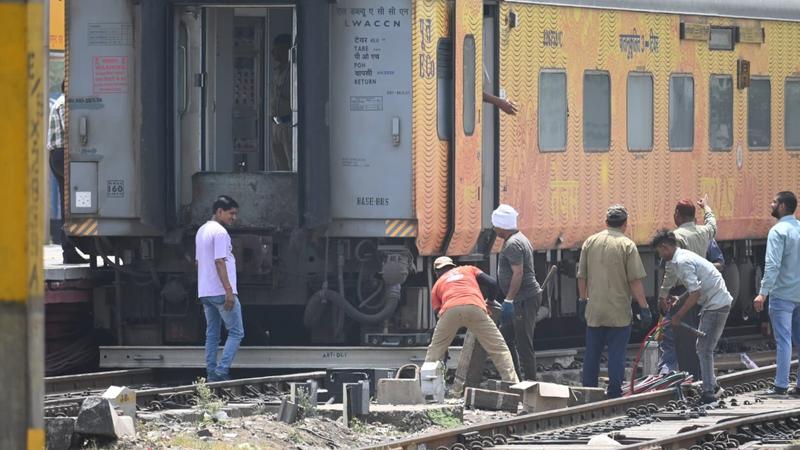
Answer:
x=742 y=416
x=68 y=404
x=98 y=380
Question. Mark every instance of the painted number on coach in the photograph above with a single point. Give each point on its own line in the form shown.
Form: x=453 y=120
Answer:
x=427 y=62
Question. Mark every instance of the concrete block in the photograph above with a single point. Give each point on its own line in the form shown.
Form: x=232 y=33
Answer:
x=432 y=381
x=123 y=399
x=393 y=391
x=491 y=400
x=500 y=385
x=356 y=401
x=59 y=432
x=124 y=428
x=538 y=396
x=96 y=418
x=288 y=411
x=584 y=395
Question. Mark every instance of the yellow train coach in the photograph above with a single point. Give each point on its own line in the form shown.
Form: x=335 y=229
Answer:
x=642 y=103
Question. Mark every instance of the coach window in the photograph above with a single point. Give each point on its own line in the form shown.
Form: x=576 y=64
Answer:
x=681 y=113
x=469 y=84
x=596 y=112
x=552 y=111
x=720 y=113
x=758 y=114
x=444 y=88
x=791 y=122
x=640 y=111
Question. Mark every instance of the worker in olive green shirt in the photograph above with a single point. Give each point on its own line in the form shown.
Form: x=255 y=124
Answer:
x=610 y=271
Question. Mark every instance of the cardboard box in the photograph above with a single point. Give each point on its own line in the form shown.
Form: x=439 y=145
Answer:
x=538 y=396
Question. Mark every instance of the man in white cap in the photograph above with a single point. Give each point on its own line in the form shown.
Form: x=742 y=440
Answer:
x=457 y=299
x=517 y=280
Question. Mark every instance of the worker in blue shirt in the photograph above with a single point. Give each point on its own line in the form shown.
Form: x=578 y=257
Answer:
x=781 y=283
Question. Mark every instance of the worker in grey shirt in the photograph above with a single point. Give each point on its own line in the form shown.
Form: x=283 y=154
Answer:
x=706 y=288
x=523 y=296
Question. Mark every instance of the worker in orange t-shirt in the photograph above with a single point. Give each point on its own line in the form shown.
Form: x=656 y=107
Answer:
x=458 y=301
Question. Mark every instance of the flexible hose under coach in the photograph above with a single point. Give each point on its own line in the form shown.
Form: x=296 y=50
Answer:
x=313 y=315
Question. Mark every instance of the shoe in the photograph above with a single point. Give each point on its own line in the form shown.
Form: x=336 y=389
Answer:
x=795 y=391
x=221 y=377
x=775 y=390
x=707 y=397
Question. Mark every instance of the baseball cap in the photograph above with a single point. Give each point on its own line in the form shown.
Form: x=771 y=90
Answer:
x=443 y=261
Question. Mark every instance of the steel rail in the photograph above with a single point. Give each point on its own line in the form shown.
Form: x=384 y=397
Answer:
x=96 y=380
x=145 y=397
x=561 y=418
x=690 y=438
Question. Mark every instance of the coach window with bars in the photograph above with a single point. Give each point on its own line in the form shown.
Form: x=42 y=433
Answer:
x=681 y=113
x=640 y=111
x=596 y=112
x=791 y=120
x=552 y=111
x=758 y=114
x=720 y=113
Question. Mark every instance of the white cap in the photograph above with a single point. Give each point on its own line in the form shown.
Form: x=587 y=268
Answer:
x=505 y=217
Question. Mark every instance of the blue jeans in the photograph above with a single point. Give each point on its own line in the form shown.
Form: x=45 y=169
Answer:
x=785 y=317
x=597 y=338
x=215 y=316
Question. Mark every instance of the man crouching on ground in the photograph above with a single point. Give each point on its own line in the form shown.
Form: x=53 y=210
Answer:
x=457 y=300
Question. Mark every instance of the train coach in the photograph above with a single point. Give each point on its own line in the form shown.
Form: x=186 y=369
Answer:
x=390 y=156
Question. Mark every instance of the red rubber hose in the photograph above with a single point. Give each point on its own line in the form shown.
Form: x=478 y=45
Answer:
x=649 y=334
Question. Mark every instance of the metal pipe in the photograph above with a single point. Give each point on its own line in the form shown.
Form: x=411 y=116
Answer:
x=118 y=305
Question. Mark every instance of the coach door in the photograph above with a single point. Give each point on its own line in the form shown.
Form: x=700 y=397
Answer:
x=466 y=168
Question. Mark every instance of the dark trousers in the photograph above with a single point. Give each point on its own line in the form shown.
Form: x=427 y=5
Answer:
x=57 y=167
x=519 y=336
x=597 y=338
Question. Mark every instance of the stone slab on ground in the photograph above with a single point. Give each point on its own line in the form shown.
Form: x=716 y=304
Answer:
x=491 y=400
x=399 y=391
x=59 y=432
x=96 y=418
x=397 y=415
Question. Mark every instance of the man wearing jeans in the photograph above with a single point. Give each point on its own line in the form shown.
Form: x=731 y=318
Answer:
x=609 y=272
x=216 y=286
x=781 y=283
x=706 y=288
